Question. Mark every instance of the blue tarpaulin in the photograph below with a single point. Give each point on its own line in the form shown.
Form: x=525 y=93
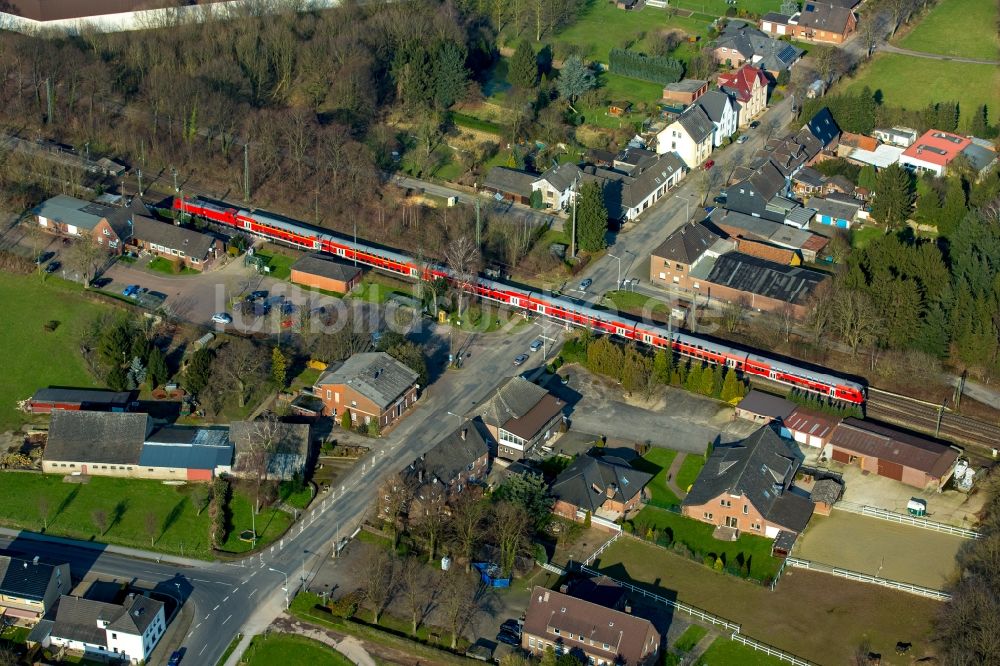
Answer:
x=490 y=574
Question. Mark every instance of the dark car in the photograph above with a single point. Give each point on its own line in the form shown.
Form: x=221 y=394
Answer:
x=256 y=295
x=585 y=284
x=755 y=124
x=175 y=658
x=508 y=637
x=53 y=267
x=43 y=257
x=512 y=626
x=721 y=199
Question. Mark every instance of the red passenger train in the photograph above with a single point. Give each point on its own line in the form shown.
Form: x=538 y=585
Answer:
x=308 y=237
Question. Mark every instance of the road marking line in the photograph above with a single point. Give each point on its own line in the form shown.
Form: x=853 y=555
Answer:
x=208 y=616
x=190 y=633
x=253 y=593
x=225 y=600
x=251 y=575
x=203 y=648
x=235 y=590
x=216 y=607
x=197 y=625
x=226 y=620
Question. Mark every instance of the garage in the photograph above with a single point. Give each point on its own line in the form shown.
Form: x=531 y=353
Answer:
x=890 y=470
x=841 y=456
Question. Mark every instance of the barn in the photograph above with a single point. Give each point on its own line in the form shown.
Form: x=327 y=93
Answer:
x=45 y=400
x=313 y=270
x=913 y=460
x=810 y=428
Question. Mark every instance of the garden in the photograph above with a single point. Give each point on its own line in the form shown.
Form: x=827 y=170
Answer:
x=275 y=648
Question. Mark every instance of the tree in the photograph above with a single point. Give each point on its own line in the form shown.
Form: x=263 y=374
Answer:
x=892 y=199
x=415 y=587
x=450 y=75
x=732 y=388
x=733 y=314
x=86 y=257
x=151 y=523
x=530 y=492
x=345 y=419
x=394 y=497
x=458 y=602
x=979 y=124
x=279 y=368
x=240 y=365
x=467 y=515
x=412 y=356
x=867 y=178
x=663 y=362
x=953 y=209
x=789 y=7
x=257 y=442
x=511 y=524
x=523 y=70
x=856 y=318
x=100 y=518
x=379 y=582
x=136 y=373
x=198 y=370
x=871 y=30
x=829 y=62
x=575 y=78
x=157 y=371
x=899 y=12
x=591 y=218
x=463 y=256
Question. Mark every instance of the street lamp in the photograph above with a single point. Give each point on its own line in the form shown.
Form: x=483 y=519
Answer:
x=285 y=588
x=619 y=260
x=687 y=208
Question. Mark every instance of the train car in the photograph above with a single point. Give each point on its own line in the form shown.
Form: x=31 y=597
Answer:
x=278 y=228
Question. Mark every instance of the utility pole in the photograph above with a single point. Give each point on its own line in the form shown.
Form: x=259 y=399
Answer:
x=86 y=149
x=572 y=238
x=138 y=173
x=478 y=245
x=246 y=171
x=174 y=172
x=48 y=102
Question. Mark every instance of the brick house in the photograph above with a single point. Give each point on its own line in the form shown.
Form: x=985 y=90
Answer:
x=685 y=91
x=690 y=136
x=30 y=589
x=748 y=86
x=820 y=22
x=190 y=248
x=313 y=270
x=913 y=460
x=605 y=487
x=458 y=461
x=671 y=263
x=604 y=636
x=747 y=487
x=108 y=226
x=519 y=415
x=371 y=385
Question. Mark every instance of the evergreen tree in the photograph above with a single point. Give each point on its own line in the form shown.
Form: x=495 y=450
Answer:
x=450 y=75
x=523 y=70
x=663 y=362
x=693 y=381
x=953 y=209
x=157 y=368
x=575 y=78
x=867 y=177
x=717 y=378
x=199 y=368
x=979 y=124
x=928 y=208
x=730 y=386
x=345 y=420
x=892 y=196
x=947 y=116
x=279 y=368
x=136 y=373
x=117 y=378
x=707 y=382
x=591 y=218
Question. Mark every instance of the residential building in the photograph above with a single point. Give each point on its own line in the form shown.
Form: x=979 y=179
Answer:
x=510 y=184
x=603 y=636
x=748 y=487
x=785 y=235
x=128 y=631
x=319 y=272
x=685 y=91
x=750 y=196
x=189 y=248
x=108 y=226
x=459 y=460
x=46 y=400
x=760 y=284
x=903 y=137
x=557 y=185
x=879 y=158
x=519 y=415
x=810 y=428
x=671 y=263
x=742 y=43
x=933 y=152
x=748 y=86
x=980 y=159
x=823 y=22
x=607 y=488
x=835 y=212
x=628 y=194
x=29 y=589
x=764 y=408
x=371 y=385
x=722 y=111
x=808 y=180
x=281 y=449
x=913 y=460
x=690 y=136
x=851 y=140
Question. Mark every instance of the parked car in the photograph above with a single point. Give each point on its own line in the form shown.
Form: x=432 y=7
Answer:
x=586 y=284
x=721 y=199
x=43 y=257
x=520 y=358
x=511 y=625
x=755 y=124
x=743 y=139
x=129 y=290
x=508 y=637
x=175 y=658
x=708 y=165
x=222 y=318
x=52 y=267
x=535 y=346
x=256 y=295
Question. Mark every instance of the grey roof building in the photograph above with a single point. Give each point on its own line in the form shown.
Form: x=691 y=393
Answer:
x=130 y=629
x=833 y=209
x=286 y=445
x=687 y=244
x=686 y=85
x=97 y=437
x=696 y=123
x=188 y=448
x=375 y=375
x=561 y=176
x=755 y=276
x=510 y=181
x=714 y=103
x=761 y=469
x=172 y=237
x=30 y=588
x=758 y=48
x=76 y=212
x=315 y=264
x=765 y=405
x=982 y=159
x=589 y=482
x=46 y=399
x=518 y=415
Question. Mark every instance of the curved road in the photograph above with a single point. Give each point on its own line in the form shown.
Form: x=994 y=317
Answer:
x=889 y=48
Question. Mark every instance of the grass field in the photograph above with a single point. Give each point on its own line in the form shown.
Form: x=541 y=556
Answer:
x=161 y=265
x=690 y=638
x=658 y=462
x=965 y=28
x=864 y=235
x=277 y=648
x=689 y=471
x=726 y=652
x=719 y=7
x=697 y=536
x=802 y=615
x=913 y=83
x=279 y=263
x=35 y=358
x=25 y=497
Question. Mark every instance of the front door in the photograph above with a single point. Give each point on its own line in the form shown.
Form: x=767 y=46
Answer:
x=733 y=522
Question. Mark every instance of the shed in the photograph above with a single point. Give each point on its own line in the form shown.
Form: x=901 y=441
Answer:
x=810 y=428
x=315 y=271
x=825 y=494
x=619 y=109
x=761 y=407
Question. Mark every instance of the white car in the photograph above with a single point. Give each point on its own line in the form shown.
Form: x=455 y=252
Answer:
x=535 y=346
x=743 y=139
x=222 y=318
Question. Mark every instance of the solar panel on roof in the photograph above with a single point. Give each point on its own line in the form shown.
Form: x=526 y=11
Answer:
x=787 y=53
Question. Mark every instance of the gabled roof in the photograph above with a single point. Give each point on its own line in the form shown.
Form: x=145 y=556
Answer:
x=23 y=579
x=76 y=212
x=192 y=243
x=809 y=176
x=812 y=423
x=187 y=448
x=686 y=244
x=452 y=454
x=760 y=468
x=77 y=618
x=779 y=255
x=97 y=437
x=740 y=83
x=838 y=210
x=870 y=439
x=686 y=85
x=980 y=158
x=791 y=284
x=83 y=396
x=766 y=181
x=375 y=375
x=767 y=53
x=521 y=407
x=823 y=127
x=514 y=181
x=588 y=482
x=696 y=123
x=561 y=177
x=824 y=16
x=315 y=264
x=766 y=404
x=714 y=103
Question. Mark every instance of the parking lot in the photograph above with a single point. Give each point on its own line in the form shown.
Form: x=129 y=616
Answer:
x=878 y=547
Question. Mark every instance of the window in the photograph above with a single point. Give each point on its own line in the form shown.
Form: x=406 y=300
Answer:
x=531 y=642
x=329 y=394
x=114 y=635
x=354 y=403
x=555 y=631
x=106 y=232
x=746 y=509
x=708 y=516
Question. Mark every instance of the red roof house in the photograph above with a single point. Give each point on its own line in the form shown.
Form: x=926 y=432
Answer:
x=748 y=86
x=933 y=151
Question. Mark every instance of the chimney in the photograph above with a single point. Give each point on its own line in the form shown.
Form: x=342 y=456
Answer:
x=464 y=430
x=564 y=588
x=35 y=561
x=546 y=597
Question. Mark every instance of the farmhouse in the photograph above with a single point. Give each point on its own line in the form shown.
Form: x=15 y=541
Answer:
x=459 y=460
x=606 y=488
x=30 y=589
x=372 y=385
x=914 y=460
x=747 y=486
x=313 y=270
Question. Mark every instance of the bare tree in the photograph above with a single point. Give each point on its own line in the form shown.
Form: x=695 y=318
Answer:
x=829 y=62
x=871 y=30
x=733 y=314
x=856 y=318
x=416 y=588
x=379 y=583
x=511 y=525
x=458 y=602
x=468 y=512
x=771 y=125
x=257 y=445
x=152 y=525
x=430 y=527
x=43 y=510
x=393 y=501
x=87 y=257
x=463 y=256
x=241 y=365
x=899 y=12
x=100 y=518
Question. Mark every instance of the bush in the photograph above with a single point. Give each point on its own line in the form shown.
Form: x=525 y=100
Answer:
x=345 y=420
x=346 y=606
x=51 y=325
x=709 y=560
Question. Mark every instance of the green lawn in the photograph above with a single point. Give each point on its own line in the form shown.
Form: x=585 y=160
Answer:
x=279 y=263
x=658 y=462
x=277 y=648
x=966 y=28
x=726 y=652
x=635 y=303
x=691 y=636
x=689 y=470
x=864 y=235
x=752 y=550
x=35 y=358
x=478 y=124
x=296 y=497
x=913 y=83
x=377 y=288
x=25 y=497
x=161 y=265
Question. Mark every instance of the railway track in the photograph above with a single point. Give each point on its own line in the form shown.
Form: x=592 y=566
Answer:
x=929 y=418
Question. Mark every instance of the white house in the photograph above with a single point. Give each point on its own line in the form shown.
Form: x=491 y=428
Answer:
x=690 y=136
x=127 y=631
x=724 y=113
x=556 y=185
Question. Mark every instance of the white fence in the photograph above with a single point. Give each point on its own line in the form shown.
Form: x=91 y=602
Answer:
x=604 y=547
x=907 y=519
x=868 y=578
x=769 y=650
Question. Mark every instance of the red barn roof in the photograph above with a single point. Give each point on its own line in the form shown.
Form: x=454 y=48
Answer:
x=937 y=147
x=740 y=82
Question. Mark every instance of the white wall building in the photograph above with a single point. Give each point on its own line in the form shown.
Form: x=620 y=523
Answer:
x=690 y=136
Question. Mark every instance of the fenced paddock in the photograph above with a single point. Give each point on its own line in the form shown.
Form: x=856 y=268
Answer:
x=868 y=578
x=907 y=519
